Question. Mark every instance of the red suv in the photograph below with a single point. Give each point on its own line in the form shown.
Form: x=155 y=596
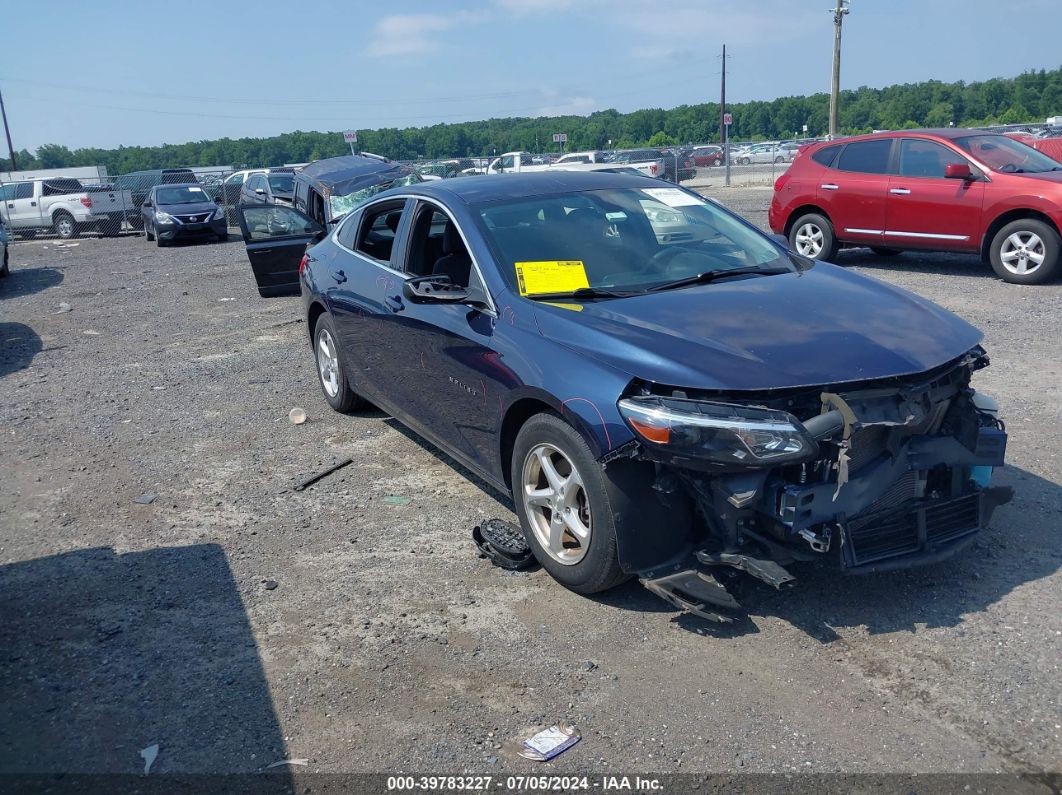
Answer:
x=929 y=190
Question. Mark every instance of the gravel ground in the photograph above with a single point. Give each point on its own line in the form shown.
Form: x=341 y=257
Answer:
x=236 y=622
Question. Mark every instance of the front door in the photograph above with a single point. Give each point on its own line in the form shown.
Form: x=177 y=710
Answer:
x=276 y=239
x=854 y=189
x=926 y=210
x=21 y=208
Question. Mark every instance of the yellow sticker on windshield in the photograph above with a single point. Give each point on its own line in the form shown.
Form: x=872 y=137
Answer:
x=572 y=307
x=553 y=276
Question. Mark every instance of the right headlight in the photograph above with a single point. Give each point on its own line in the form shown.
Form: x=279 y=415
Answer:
x=163 y=218
x=719 y=432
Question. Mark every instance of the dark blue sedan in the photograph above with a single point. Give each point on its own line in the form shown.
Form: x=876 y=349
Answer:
x=664 y=390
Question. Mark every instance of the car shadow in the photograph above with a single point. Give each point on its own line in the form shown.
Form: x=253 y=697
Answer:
x=26 y=281
x=935 y=262
x=107 y=655
x=18 y=345
x=461 y=469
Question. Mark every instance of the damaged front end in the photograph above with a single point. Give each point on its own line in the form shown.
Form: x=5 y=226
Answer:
x=863 y=477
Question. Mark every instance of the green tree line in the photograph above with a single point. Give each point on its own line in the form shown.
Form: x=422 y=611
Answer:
x=1028 y=98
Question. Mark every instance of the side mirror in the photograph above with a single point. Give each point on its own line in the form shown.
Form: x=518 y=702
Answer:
x=148 y=204
x=434 y=290
x=958 y=171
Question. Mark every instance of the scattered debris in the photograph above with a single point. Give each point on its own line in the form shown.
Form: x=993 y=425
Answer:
x=297 y=416
x=223 y=300
x=397 y=499
x=503 y=544
x=589 y=665
x=149 y=755
x=90 y=332
x=63 y=307
x=323 y=473
x=67 y=245
x=549 y=743
x=270 y=585
x=146 y=498
x=303 y=762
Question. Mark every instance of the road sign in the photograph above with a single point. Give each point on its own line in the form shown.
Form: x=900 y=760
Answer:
x=350 y=136
x=805 y=128
x=560 y=138
x=728 y=118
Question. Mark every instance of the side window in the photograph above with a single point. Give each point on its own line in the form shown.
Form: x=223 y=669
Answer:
x=269 y=221
x=866 y=157
x=24 y=190
x=507 y=161
x=235 y=179
x=919 y=158
x=7 y=192
x=376 y=237
x=826 y=155
x=348 y=230
x=315 y=208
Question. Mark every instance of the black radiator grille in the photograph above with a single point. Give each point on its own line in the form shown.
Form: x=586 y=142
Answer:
x=890 y=533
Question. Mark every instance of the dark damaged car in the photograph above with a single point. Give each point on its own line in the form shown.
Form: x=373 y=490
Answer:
x=665 y=391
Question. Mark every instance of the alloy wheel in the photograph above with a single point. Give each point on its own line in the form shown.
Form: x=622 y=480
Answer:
x=1022 y=253
x=809 y=239
x=328 y=363
x=556 y=504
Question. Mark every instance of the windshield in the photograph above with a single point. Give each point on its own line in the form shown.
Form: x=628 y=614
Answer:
x=1001 y=153
x=181 y=194
x=341 y=205
x=627 y=239
x=282 y=183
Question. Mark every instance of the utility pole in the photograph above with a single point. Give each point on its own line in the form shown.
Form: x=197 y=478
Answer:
x=838 y=18
x=7 y=132
x=722 y=98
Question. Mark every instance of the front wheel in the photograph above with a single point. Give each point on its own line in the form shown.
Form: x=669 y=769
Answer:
x=6 y=269
x=812 y=236
x=745 y=161
x=330 y=373
x=717 y=162
x=567 y=504
x=779 y=159
x=1026 y=251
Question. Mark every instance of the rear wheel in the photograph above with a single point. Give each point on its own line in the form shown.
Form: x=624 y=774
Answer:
x=885 y=252
x=1026 y=251
x=330 y=373
x=812 y=236
x=5 y=267
x=568 y=505
x=745 y=161
x=717 y=162
x=779 y=159
x=64 y=225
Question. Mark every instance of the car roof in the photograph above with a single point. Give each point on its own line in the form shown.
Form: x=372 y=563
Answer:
x=167 y=185
x=348 y=173
x=499 y=187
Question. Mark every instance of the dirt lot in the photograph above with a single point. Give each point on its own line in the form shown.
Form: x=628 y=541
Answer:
x=236 y=622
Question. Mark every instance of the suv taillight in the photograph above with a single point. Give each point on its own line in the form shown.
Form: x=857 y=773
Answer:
x=86 y=200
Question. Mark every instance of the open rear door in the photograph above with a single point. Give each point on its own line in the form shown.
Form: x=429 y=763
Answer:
x=276 y=238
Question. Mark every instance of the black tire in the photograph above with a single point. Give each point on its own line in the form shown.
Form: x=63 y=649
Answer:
x=5 y=269
x=829 y=246
x=345 y=399
x=1048 y=247
x=223 y=238
x=745 y=161
x=779 y=159
x=149 y=234
x=885 y=252
x=717 y=162
x=599 y=568
x=64 y=225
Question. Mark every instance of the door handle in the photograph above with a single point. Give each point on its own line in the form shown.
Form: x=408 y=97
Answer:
x=900 y=191
x=33 y=204
x=11 y=207
x=829 y=186
x=394 y=303
x=339 y=276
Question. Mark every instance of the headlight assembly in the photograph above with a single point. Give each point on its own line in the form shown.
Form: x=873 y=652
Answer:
x=719 y=432
x=163 y=218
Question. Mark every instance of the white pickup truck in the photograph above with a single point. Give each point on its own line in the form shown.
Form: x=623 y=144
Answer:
x=520 y=162
x=62 y=205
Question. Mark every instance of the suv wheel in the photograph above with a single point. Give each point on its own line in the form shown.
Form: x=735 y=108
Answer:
x=568 y=505
x=812 y=236
x=1025 y=251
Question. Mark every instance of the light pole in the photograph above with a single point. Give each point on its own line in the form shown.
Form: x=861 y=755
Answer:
x=838 y=19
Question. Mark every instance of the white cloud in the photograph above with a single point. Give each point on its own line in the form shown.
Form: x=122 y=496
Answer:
x=521 y=7
x=415 y=34
x=572 y=106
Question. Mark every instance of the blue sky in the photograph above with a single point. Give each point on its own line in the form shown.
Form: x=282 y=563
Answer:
x=108 y=73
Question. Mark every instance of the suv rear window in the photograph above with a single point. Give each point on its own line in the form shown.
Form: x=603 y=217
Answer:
x=866 y=157
x=826 y=155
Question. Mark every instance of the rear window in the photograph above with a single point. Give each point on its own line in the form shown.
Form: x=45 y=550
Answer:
x=866 y=157
x=53 y=187
x=826 y=155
